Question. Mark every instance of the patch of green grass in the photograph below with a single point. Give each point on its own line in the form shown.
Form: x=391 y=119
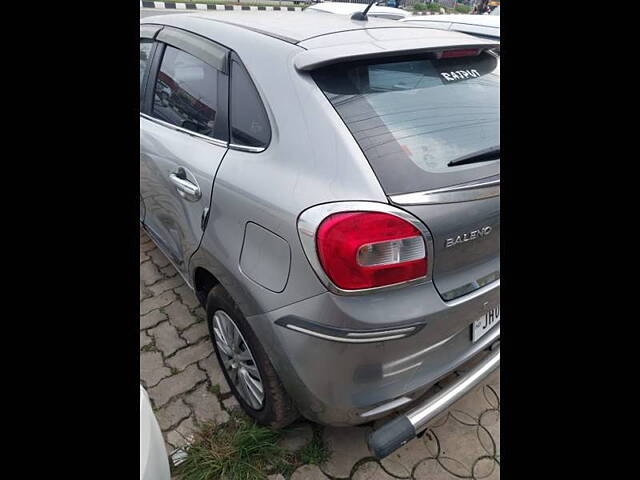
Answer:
x=315 y=452
x=462 y=8
x=239 y=449
x=215 y=389
x=242 y=450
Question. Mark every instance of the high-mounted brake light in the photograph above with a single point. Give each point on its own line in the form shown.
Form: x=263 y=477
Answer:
x=360 y=250
x=469 y=52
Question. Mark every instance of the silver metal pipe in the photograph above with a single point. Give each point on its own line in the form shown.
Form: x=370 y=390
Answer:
x=421 y=415
x=397 y=432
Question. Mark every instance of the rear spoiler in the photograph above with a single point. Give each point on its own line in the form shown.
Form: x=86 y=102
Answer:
x=323 y=56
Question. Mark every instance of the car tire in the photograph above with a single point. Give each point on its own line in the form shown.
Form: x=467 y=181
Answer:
x=277 y=409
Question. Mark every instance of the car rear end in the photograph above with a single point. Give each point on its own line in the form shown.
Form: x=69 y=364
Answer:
x=413 y=284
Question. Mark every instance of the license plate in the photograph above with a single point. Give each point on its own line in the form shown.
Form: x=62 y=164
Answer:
x=485 y=323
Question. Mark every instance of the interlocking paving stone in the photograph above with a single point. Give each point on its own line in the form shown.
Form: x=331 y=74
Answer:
x=371 y=471
x=200 y=313
x=485 y=467
x=206 y=406
x=191 y=354
x=144 y=292
x=490 y=420
x=188 y=297
x=308 y=472
x=211 y=366
x=147 y=246
x=149 y=304
x=231 y=403
x=179 y=315
x=166 y=284
x=400 y=463
x=195 y=332
x=347 y=445
x=152 y=319
x=493 y=381
x=460 y=445
x=183 y=434
x=145 y=340
x=432 y=470
x=177 y=384
x=296 y=437
x=158 y=258
x=172 y=414
x=149 y=273
x=152 y=370
x=169 y=271
x=167 y=339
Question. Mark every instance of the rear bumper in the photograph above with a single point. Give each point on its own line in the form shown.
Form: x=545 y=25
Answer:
x=347 y=383
x=395 y=433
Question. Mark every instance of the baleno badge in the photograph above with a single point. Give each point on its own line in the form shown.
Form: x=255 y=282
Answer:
x=467 y=237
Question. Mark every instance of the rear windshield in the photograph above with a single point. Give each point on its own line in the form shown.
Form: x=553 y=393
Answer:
x=413 y=116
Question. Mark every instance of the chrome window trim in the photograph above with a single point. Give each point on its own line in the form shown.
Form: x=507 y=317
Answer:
x=213 y=141
x=458 y=193
x=246 y=148
x=310 y=220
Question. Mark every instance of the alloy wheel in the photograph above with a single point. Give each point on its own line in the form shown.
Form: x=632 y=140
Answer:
x=238 y=360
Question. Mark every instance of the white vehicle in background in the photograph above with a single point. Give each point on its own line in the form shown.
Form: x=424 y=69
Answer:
x=350 y=8
x=486 y=26
x=154 y=461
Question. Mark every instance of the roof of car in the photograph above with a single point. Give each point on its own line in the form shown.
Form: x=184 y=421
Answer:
x=324 y=39
x=290 y=27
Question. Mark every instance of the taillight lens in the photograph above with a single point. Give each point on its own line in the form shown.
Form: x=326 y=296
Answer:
x=360 y=250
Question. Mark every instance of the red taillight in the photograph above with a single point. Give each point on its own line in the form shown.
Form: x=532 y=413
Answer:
x=361 y=250
x=469 y=52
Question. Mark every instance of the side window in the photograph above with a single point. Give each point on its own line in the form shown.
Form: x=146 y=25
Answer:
x=186 y=92
x=249 y=121
x=145 y=52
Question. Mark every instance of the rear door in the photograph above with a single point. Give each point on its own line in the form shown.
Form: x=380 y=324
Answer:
x=183 y=139
x=429 y=126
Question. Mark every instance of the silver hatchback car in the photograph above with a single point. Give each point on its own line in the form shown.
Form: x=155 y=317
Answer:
x=330 y=189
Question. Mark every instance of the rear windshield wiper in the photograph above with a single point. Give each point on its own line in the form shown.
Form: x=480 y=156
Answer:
x=486 y=155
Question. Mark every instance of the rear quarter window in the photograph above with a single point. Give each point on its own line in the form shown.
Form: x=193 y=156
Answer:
x=248 y=117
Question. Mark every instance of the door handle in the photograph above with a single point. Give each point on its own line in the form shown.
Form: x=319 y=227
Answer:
x=187 y=190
